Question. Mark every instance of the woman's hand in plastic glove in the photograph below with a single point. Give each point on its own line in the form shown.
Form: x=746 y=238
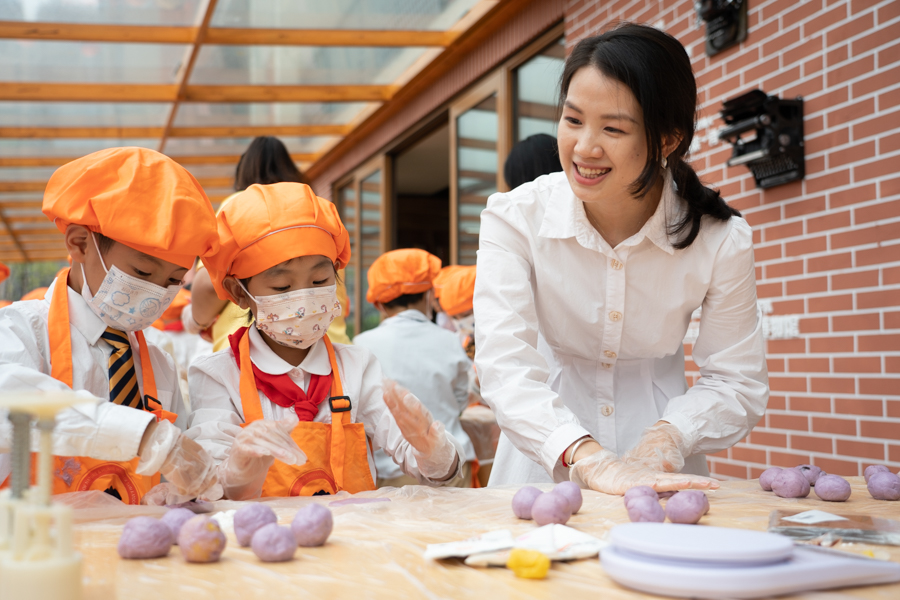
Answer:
x=166 y=494
x=435 y=453
x=183 y=462
x=660 y=448
x=255 y=448
x=604 y=472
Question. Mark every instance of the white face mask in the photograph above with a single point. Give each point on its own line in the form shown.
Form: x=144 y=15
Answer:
x=124 y=302
x=297 y=319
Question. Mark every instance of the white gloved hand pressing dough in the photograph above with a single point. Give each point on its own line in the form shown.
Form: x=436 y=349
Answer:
x=661 y=448
x=166 y=494
x=183 y=462
x=435 y=454
x=255 y=448
x=604 y=472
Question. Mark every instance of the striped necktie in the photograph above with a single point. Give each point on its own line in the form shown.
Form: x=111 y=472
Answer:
x=123 y=386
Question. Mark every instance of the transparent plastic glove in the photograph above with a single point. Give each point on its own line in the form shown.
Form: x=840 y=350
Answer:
x=255 y=448
x=604 y=472
x=435 y=454
x=661 y=448
x=183 y=462
x=166 y=494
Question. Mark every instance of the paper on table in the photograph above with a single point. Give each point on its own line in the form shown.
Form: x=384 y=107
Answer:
x=487 y=542
x=557 y=542
x=811 y=517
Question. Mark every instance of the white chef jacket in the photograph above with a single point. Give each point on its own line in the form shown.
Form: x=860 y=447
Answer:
x=104 y=430
x=614 y=320
x=428 y=361
x=217 y=412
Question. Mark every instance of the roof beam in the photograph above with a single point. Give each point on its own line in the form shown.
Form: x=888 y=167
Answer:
x=15 y=239
x=39 y=186
x=80 y=32
x=87 y=92
x=176 y=132
x=58 y=161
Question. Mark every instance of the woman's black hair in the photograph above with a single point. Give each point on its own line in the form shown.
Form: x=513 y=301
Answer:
x=405 y=300
x=656 y=68
x=534 y=156
x=266 y=161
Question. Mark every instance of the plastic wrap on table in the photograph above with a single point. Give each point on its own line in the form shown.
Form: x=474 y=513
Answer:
x=480 y=425
x=863 y=529
x=376 y=549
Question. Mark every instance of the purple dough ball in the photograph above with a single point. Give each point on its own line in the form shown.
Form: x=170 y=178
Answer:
x=644 y=509
x=686 y=508
x=811 y=472
x=145 y=537
x=175 y=518
x=250 y=518
x=312 y=525
x=884 y=486
x=765 y=480
x=871 y=470
x=272 y=543
x=832 y=488
x=791 y=483
x=551 y=508
x=571 y=492
x=201 y=540
x=523 y=500
x=701 y=498
x=641 y=490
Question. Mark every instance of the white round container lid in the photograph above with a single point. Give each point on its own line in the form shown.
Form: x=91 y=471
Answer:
x=701 y=543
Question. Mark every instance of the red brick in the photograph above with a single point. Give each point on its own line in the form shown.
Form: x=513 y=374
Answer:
x=876 y=83
x=766 y=438
x=784 y=459
x=830 y=303
x=775 y=365
x=866 y=235
x=837 y=54
x=890 y=276
x=769 y=290
x=833 y=385
x=748 y=455
x=874 y=256
x=813 y=65
x=787 y=307
x=854 y=195
x=784 y=78
x=894 y=454
x=876 y=37
x=875 y=126
x=860 y=449
x=888 y=56
x=880 y=429
x=784 y=269
x=745 y=202
x=877 y=168
x=850 y=29
x=786 y=346
x=787 y=384
x=777 y=232
x=726 y=88
x=859 y=279
x=767 y=215
x=729 y=470
x=889 y=99
x=877 y=212
x=892 y=364
x=811 y=444
x=827 y=141
x=893 y=409
x=769 y=252
x=818 y=325
x=805 y=404
x=852 y=112
x=809 y=47
x=755 y=472
x=833 y=220
x=878 y=299
x=889 y=143
x=826 y=102
x=777 y=403
x=879 y=343
x=888 y=12
x=825 y=20
x=828 y=181
x=834 y=466
x=855 y=153
x=788 y=191
x=807 y=285
x=795 y=422
x=804 y=207
x=890 y=187
x=831 y=344
x=803 y=10
x=806 y=246
x=831 y=425
x=829 y=262
x=857 y=406
x=807 y=365
x=856 y=322
x=880 y=386
x=741 y=60
x=857 y=364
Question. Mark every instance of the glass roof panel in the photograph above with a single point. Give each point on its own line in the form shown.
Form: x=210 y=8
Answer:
x=26 y=173
x=217 y=146
x=83 y=114
x=341 y=14
x=66 y=147
x=201 y=114
x=209 y=171
x=89 y=62
x=301 y=65
x=123 y=12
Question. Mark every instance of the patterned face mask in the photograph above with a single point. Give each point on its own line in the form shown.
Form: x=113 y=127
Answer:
x=299 y=318
x=124 y=302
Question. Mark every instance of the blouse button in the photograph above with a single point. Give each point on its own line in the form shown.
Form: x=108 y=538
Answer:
x=616 y=265
x=615 y=316
x=606 y=410
x=609 y=354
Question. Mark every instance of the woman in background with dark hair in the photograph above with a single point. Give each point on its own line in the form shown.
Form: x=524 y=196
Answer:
x=265 y=161
x=534 y=156
x=607 y=262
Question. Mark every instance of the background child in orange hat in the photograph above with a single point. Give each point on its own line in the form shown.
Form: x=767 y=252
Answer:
x=118 y=210
x=286 y=411
x=422 y=357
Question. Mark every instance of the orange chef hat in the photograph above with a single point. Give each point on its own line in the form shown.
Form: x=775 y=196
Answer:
x=138 y=197
x=442 y=277
x=399 y=272
x=458 y=291
x=266 y=225
x=173 y=313
x=4 y=272
x=35 y=294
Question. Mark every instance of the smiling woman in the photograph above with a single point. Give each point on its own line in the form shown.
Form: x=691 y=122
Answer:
x=605 y=263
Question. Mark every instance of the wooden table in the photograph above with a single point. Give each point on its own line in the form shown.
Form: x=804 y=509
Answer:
x=376 y=549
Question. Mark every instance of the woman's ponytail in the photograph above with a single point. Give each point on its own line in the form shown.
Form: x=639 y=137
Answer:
x=700 y=200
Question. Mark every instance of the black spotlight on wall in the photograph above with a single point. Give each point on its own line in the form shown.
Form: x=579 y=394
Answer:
x=726 y=23
x=775 y=155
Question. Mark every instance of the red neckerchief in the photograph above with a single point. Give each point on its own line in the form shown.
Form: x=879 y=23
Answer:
x=281 y=390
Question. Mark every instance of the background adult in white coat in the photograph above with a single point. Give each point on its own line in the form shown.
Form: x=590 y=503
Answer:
x=607 y=262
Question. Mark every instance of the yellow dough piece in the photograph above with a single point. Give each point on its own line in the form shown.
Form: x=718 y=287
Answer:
x=529 y=564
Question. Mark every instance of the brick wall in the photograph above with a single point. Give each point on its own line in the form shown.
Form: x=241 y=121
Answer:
x=828 y=247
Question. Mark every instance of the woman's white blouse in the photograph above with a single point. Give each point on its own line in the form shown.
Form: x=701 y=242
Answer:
x=614 y=320
x=217 y=413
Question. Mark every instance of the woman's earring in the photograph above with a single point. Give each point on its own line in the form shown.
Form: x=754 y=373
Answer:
x=665 y=162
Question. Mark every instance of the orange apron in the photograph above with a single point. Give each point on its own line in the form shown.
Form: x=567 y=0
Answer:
x=336 y=452
x=79 y=473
